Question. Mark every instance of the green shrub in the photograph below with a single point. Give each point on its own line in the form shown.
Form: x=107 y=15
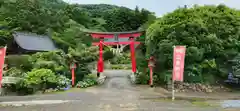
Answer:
x=81 y=72
x=91 y=76
x=54 y=60
x=121 y=59
x=235 y=65
x=142 y=78
x=88 y=81
x=209 y=79
x=163 y=77
x=62 y=81
x=19 y=61
x=40 y=79
x=108 y=55
x=210 y=34
x=82 y=55
x=14 y=72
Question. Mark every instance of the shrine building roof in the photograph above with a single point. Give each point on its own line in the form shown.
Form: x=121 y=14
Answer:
x=34 y=42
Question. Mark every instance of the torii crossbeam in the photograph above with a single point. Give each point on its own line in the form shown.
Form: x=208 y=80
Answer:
x=115 y=38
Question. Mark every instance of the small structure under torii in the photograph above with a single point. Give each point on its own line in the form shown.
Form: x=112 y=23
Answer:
x=115 y=38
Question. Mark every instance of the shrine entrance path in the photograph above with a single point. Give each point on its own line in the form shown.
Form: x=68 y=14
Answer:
x=116 y=94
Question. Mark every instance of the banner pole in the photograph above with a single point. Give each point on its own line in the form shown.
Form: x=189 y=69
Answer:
x=173 y=91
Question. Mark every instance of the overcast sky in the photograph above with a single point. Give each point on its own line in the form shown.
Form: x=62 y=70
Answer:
x=160 y=7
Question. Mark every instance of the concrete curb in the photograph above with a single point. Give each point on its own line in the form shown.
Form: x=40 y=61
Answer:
x=190 y=97
x=196 y=96
x=32 y=102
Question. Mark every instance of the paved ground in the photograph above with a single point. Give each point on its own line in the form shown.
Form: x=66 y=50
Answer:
x=117 y=94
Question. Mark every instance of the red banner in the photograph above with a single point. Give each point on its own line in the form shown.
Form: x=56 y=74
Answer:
x=178 y=63
x=2 y=57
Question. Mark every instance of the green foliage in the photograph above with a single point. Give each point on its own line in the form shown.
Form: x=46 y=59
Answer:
x=71 y=36
x=81 y=72
x=62 y=81
x=54 y=60
x=235 y=65
x=120 y=18
x=67 y=25
x=59 y=62
x=31 y=15
x=77 y=14
x=98 y=10
x=39 y=79
x=210 y=33
x=4 y=34
x=121 y=59
x=108 y=54
x=19 y=61
x=141 y=61
x=14 y=72
x=83 y=54
x=142 y=78
x=88 y=81
x=116 y=67
x=67 y=22
x=122 y=66
x=124 y=19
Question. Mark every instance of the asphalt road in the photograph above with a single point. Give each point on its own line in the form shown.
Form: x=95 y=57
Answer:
x=116 y=94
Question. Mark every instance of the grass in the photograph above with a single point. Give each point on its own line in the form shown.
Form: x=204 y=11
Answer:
x=93 y=75
x=116 y=66
x=201 y=104
x=70 y=90
x=61 y=92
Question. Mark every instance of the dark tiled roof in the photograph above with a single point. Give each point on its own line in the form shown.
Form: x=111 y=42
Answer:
x=34 y=42
x=128 y=32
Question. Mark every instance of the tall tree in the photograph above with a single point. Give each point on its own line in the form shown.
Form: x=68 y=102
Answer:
x=210 y=33
x=121 y=19
x=30 y=15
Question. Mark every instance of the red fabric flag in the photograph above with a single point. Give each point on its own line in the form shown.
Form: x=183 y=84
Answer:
x=178 y=63
x=2 y=58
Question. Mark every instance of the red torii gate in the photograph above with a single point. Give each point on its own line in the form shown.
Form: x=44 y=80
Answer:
x=115 y=35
